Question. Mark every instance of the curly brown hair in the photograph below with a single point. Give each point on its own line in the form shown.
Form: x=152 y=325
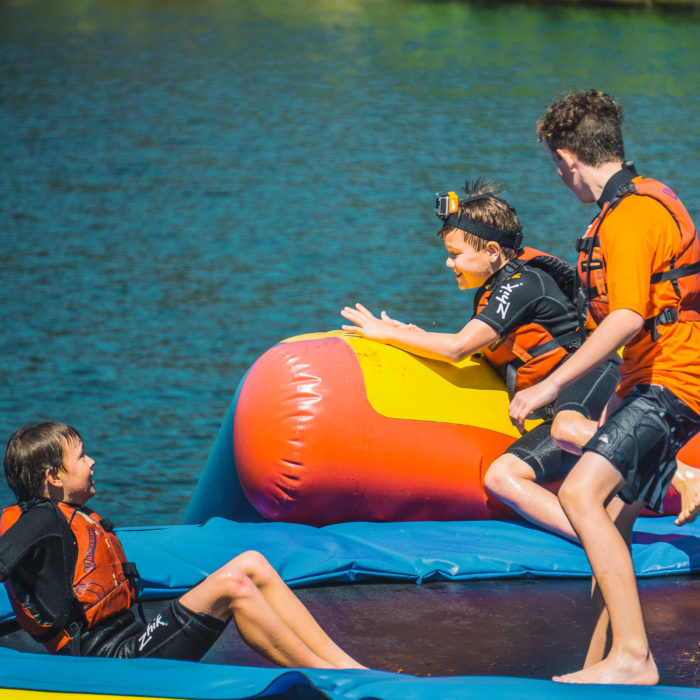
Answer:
x=587 y=123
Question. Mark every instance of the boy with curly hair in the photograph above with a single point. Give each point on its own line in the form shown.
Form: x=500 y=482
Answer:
x=639 y=265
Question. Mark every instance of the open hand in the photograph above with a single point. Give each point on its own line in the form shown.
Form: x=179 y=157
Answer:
x=368 y=325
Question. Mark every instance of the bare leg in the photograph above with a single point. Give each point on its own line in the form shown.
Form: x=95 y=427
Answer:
x=623 y=516
x=293 y=611
x=584 y=496
x=600 y=639
x=236 y=589
x=513 y=481
x=687 y=482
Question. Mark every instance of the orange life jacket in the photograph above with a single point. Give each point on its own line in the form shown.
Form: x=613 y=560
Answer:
x=683 y=269
x=103 y=580
x=530 y=352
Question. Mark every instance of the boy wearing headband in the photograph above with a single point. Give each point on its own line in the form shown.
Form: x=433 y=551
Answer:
x=526 y=325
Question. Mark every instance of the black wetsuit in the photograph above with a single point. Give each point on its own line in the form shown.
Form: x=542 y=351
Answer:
x=534 y=297
x=531 y=297
x=38 y=555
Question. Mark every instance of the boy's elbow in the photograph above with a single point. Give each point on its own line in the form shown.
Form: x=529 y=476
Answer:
x=457 y=353
x=631 y=321
x=636 y=321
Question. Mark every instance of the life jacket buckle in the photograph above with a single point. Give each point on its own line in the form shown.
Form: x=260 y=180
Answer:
x=586 y=243
x=668 y=315
x=129 y=569
x=587 y=265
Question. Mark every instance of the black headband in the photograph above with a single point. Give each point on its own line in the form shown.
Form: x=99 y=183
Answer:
x=508 y=239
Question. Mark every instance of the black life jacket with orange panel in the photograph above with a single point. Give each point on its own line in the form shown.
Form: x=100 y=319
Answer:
x=103 y=579
x=683 y=271
x=530 y=352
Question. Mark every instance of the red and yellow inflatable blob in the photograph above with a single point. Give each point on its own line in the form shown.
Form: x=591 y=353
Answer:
x=333 y=427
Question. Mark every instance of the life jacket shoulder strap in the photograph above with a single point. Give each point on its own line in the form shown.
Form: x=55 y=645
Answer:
x=676 y=273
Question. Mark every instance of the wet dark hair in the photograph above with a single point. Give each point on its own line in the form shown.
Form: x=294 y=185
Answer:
x=32 y=450
x=492 y=210
x=588 y=123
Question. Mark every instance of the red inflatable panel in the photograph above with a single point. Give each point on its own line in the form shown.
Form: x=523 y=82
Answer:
x=309 y=448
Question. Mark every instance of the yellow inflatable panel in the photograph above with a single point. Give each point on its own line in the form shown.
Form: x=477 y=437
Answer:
x=402 y=385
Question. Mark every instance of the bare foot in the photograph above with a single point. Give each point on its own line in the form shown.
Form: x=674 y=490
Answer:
x=687 y=483
x=626 y=670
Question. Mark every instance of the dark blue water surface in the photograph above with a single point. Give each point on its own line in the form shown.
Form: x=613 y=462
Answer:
x=186 y=183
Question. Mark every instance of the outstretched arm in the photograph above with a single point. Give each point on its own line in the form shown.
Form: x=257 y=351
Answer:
x=616 y=329
x=449 y=347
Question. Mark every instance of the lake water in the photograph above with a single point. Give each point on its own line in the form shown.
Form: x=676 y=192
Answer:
x=184 y=184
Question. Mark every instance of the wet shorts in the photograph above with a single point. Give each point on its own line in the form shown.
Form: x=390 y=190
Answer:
x=587 y=396
x=642 y=437
x=174 y=633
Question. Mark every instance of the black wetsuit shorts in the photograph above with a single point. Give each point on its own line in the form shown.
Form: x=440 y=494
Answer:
x=174 y=633
x=587 y=396
x=642 y=437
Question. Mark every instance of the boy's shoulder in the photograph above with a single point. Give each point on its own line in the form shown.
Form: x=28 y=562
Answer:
x=634 y=215
x=36 y=527
x=519 y=279
x=531 y=277
x=38 y=514
x=522 y=296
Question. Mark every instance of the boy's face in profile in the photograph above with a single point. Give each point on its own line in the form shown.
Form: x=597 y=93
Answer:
x=76 y=476
x=471 y=267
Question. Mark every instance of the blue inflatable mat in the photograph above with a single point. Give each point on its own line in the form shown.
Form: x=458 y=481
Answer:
x=181 y=679
x=173 y=559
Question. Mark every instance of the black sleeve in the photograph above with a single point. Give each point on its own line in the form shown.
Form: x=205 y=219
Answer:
x=513 y=303
x=37 y=528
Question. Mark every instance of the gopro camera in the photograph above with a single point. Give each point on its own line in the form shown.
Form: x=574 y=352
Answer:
x=446 y=204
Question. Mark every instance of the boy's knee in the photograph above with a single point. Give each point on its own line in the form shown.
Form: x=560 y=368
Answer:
x=254 y=565
x=572 y=429
x=503 y=472
x=571 y=499
x=233 y=583
x=561 y=429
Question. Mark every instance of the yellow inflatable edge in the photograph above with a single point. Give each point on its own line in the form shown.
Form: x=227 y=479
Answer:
x=402 y=385
x=14 y=694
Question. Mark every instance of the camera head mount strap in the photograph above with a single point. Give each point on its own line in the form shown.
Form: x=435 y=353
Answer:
x=447 y=209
